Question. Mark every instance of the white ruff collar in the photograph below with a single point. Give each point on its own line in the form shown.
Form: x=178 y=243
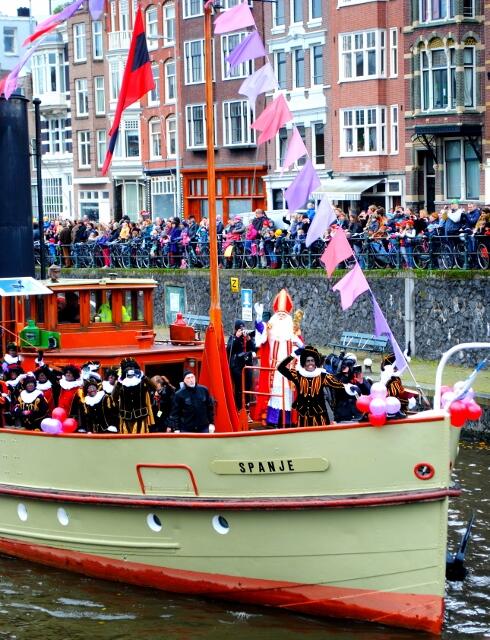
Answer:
x=29 y=396
x=14 y=383
x=130 y=382
x=107 y=386
x=309 y=374
x=72 y=384
x=12 y=359
x=44 y=386
x=91 y=400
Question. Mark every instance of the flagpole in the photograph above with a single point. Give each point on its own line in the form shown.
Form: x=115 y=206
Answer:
x=215 y=305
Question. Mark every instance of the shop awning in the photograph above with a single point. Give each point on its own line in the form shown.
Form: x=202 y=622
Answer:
x=448 y=129
x=24 y=286
x=345 y=188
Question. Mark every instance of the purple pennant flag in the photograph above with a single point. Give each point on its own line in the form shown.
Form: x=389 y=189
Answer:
x=11 y=82
x=300 y=188
x=96 y=8
x=323 y=218
x=382 y=328
x=259 y=82
x=249 y=48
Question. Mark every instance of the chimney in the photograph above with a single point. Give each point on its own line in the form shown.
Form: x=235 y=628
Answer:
x=23 y=12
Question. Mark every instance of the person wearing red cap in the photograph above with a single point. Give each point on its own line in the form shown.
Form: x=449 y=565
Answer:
x=275 y=340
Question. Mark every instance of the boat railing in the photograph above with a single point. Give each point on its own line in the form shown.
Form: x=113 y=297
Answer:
x=254 y=393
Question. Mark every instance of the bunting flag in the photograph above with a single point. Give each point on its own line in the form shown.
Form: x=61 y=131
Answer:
x=234 y=19
x=96 y=8
x=351 y=286
x=137 y=81
x=10 y=83
x=272 y=118
x=300 y=188
x=296 y=150
x=264 y=79
x=322 y=220
x=249 y=48
x=337 y=251
x=381 y=328
x=53 y=21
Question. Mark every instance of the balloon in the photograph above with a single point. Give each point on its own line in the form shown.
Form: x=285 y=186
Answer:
x=362 y=403
x=393 y=405
x=378 y=390
x=377 y=407
x=458 y=413
x=377 y=421
x=447 y=398
x=445 y=388
x=69 y=425
x=59 y=414
x=473 y=411
x=51 y=425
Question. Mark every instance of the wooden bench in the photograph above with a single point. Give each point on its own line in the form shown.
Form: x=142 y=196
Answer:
x=198 y=323
x=350 y=340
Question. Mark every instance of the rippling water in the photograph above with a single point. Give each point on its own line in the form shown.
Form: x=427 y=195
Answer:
x=41 y=603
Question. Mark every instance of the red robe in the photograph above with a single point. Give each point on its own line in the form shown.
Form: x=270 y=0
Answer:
x=69 y=396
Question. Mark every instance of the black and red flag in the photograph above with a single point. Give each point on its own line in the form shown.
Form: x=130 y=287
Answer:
x=137 y=81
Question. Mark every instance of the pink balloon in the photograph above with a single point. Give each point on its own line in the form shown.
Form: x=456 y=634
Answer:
x=59 y=414
x=378 y=390
x=445 y=388
x=377 y=407
x=447 y=398
x=51 y=425
x=393 y=405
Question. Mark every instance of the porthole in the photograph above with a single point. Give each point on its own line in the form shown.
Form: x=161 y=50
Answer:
x=63 y=518
x=220 y=525
x=424 y=471
x=22 y=512
x=154 y=522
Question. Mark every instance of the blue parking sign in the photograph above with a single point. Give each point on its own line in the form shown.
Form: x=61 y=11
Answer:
x=247 y=306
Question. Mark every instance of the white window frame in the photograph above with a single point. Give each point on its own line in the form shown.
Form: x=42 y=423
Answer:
x=472 y=68
x=97 y=40
x=292 y=11
x=242 y=70
x=358 y=41
x=294 y=53
x=192 y=8
x=394 y=129
x=124 y=18
x=313 y=82
x=58 y=135
x=312 y=18
x=155 y=136
x=151 y=21
x=189 y=123
x=10 y=37
x=463 y=171
x=41 y=72
x=284 y=67
x=122 y=146
x=428 y=71
x=319 y=165
x=99 y=95
x=245 y=117
x=101 y=138
x=428 y=15
x=281 y=15
x=154 y=95
x=394 y=52
x=170 y=81
x=79 y=42
x=171 y=135
x=168 y=24
x=356 y=115
x=81 y=96
x=83 y=149
x=191 y=76
x=116 y=70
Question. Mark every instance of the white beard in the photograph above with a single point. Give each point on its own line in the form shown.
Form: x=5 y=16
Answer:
x=281 y=328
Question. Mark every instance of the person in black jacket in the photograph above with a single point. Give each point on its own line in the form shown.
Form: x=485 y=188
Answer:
x=240 y=351
x=192 y=407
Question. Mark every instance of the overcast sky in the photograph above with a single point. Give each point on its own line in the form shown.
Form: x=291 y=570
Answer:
x=40 y=8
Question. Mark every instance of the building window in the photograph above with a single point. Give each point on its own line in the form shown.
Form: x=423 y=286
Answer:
x=79 y=43
x=99 y=92
x=469 y=8
x=59 y=136
x=155 y=131
x=363 y=131
x=170 y=81
x=97 y=40
x=83 y=149
x=48 y=73
x=462 y=170
x=394 y=128
x=171 y=136
x=393 y=52
x=193 y=8
x=194 y=61
x=10 y=40
x=81 y=94
x=316 y=63
x=168 y=24
x=280 y=64
x=298 y=68
x=315 y=7
x=319 y=144
x=431 y=10
x=101 y=146
x=469 y=76
x=297 y=10
x=195 y=119
x=53 y=195
x=132 y=138
x=362 y=55
x=123 y=15
x=438 y=79
x=152 y=27
x=282 y=144
x=228 y=43
x=154 y=97
x=237 y=119
x=278 y=14
x=116 y=68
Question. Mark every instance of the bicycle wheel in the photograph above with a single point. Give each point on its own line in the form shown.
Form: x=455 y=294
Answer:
x=249 y=261
x=204 y=255
x=460 y=254
x=482 y=255
x=125 y=257
x=421 y=257
x=446 y=258
x=142 y=258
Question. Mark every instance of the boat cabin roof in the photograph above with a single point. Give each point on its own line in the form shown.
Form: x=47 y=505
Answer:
x=75 y=284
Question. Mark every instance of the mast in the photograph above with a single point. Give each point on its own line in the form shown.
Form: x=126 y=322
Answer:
x=215 y=305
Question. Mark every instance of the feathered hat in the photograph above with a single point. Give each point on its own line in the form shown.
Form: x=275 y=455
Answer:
x=310 y=352
x=128 y=363
x=89 y=370
x=283 y=302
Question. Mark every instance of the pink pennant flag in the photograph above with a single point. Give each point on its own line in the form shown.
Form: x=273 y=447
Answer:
x=323 y=218
x=300 y=188
x=272 y=118
x=249 y=48
x=337 y=251
x=264 y=79
x=234 y=19
x=296 y=150
x=351 y=286
x=96 y=8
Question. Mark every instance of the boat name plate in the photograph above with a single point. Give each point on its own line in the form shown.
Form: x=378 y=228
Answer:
x=276 y=466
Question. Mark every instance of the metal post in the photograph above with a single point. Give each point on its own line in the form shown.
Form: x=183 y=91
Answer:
x=37 y=115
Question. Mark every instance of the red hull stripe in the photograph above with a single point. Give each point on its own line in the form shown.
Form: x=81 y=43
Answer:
x=320 y=502
x=412 y=611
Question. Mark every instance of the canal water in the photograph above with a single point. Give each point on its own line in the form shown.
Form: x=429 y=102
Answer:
x=37 y=603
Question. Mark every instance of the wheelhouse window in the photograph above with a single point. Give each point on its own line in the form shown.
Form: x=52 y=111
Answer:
x=433 y=10
x=101 y=307
x=68 y=307
x=363 y=131
x=133 y=306
x=462 y=170
x=438 y=67
x=362 y=55
x=237 y=118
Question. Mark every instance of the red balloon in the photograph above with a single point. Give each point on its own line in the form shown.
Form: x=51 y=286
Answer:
x=69 y=425
x=59 y=414
x=362 y=403
x=458 y=412
x=377 y=421
x=474 y=411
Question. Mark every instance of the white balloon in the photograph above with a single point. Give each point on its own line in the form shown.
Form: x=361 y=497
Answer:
x=378 y=390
